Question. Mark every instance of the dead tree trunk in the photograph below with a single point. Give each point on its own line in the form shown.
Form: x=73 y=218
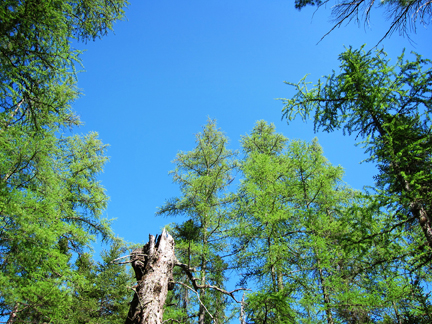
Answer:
x=153 y=265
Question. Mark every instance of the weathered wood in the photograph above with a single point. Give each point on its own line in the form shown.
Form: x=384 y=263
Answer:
x=153 y=265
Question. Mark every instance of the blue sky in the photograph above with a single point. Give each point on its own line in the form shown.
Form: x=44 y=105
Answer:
x=148 y=88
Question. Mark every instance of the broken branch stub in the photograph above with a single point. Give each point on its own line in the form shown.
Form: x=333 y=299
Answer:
x=153 y=265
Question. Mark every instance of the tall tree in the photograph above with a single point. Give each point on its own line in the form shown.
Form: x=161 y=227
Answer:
x=390 y=108
x=281 y=196
x=204 y=175
x=261 y=222
x=50 y=199
x=294 y=237
x=48 y=209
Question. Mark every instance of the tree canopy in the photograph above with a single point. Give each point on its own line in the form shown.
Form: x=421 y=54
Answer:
x=37 y=60
x=51 y=201
x=204 y=174
x=276 y=216
x=311 y=248
x=390 y=108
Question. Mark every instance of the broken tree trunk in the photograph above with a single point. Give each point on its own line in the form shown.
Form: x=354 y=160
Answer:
x=153 y=265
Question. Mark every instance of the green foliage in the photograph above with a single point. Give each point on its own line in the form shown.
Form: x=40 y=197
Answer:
x=390 y=108
x=203 y=175
x=49 y=210
x=37 y=61
x=103 y=296
x=98 y=293
x=303 y=235
x=287 y=204
x=269 y=308
x=312 y=249
x=50 y=200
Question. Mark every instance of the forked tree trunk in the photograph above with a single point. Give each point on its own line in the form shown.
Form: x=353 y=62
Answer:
x=153 y=265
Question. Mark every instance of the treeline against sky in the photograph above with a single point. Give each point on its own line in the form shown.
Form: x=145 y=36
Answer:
x=275 y=217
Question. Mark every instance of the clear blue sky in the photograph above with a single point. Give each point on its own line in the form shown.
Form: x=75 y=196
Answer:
x=150 y=87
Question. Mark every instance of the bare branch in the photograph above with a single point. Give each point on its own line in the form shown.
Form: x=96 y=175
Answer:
x=188 y=270
x=183 y=284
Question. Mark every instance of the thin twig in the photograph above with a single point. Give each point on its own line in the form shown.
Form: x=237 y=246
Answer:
x=194 y=280
x=202 y=304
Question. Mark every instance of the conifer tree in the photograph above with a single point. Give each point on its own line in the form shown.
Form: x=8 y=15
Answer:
x=295 y=240
x=37 y=60
x=49 y=209
x=390 y=108
x=50 y=200
x=203 y=175
x=102 y=296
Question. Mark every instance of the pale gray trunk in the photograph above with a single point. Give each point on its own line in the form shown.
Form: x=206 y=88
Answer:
x=242 y=311
x=153 y=265
x=280 y=280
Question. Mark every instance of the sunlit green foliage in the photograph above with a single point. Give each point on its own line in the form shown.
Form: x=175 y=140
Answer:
x=50 y=209
x=51 y=202
x=103 y=297
x=390 y=108
x=37 y=61
x=312 y=249
x=203 y=175
x=300 y=240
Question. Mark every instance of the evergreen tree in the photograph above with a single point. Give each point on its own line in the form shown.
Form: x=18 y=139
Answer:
x=49 y=209
x=389 y=107
x=37 y=60
x=50 y=200
x=203 y=175
x=296 y=234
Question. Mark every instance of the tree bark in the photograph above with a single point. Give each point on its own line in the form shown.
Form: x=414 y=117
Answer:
x=153 y=265
x=416 y=208
x=242 y=311
x=13 y=314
